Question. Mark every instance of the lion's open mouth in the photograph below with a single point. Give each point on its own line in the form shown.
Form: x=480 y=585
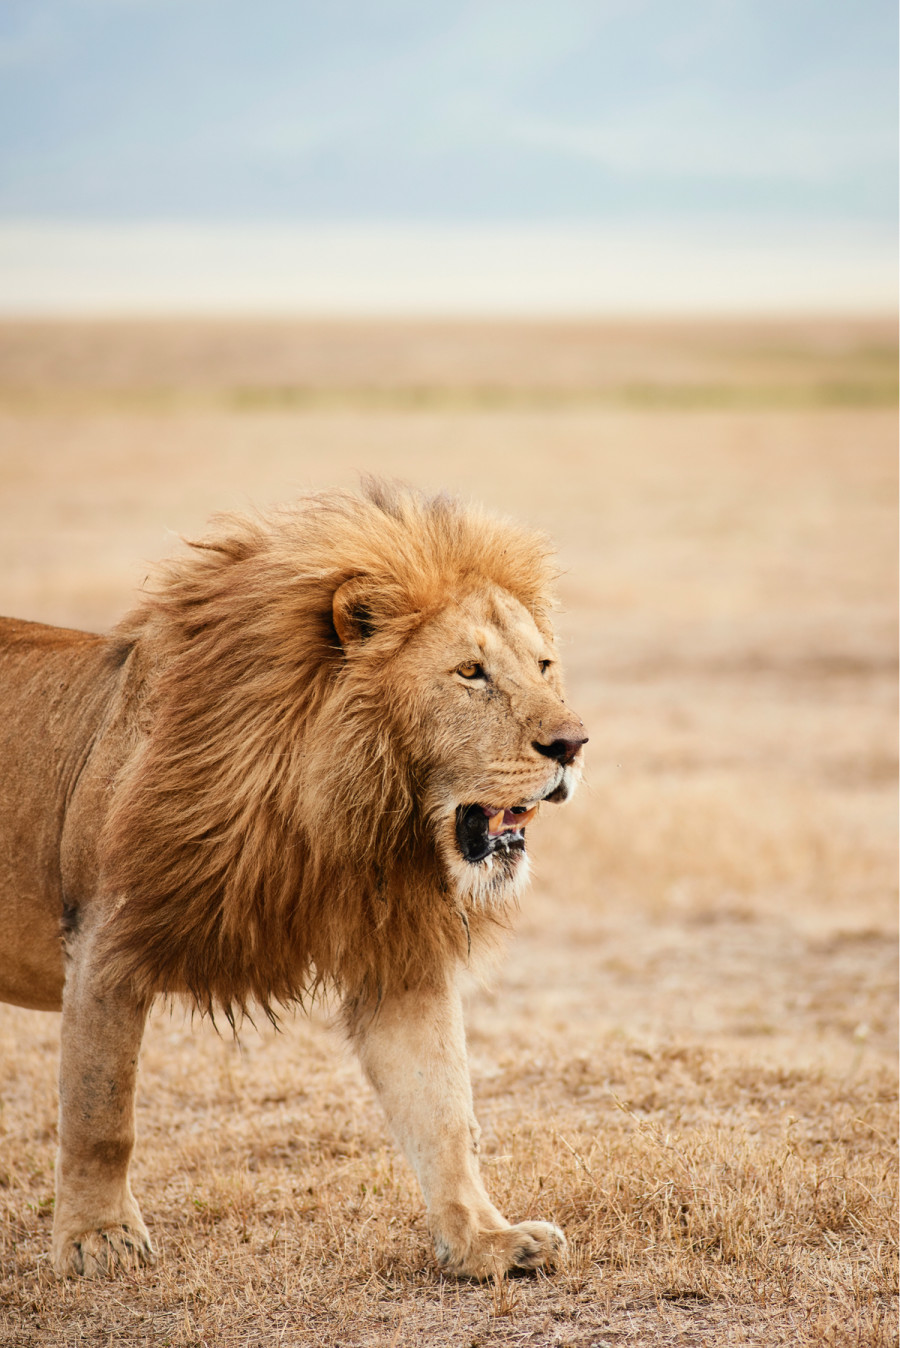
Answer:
x=481 y=829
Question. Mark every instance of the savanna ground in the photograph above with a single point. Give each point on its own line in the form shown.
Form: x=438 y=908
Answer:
x=688 y=1058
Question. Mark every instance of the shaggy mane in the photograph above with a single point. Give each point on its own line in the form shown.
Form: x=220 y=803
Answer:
x=266 y=837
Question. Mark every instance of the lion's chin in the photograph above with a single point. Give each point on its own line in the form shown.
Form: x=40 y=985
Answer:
x=497 y=879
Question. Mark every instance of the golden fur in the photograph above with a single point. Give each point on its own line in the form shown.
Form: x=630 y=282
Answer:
x=259 y=784
x=268 y=745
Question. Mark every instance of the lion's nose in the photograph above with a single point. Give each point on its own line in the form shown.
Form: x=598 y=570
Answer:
x=562 y=750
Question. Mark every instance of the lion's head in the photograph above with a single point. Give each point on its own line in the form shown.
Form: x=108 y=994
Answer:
x=354 y=711
x=474 y=696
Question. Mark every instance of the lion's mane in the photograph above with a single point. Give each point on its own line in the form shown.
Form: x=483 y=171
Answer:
x=267 y=834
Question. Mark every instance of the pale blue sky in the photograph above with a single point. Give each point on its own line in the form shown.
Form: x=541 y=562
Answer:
x=464 y=111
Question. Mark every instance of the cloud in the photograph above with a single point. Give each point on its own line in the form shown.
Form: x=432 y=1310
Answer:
x=466 y=109
x=679 y=141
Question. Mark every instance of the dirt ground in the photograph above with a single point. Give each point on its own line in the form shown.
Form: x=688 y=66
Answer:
x=689 y=1055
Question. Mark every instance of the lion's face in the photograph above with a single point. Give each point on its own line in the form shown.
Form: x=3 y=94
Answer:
x=483 y=682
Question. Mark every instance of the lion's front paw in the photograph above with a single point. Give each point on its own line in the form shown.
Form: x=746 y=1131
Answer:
x=102 y=1252
x=491 y=1254
x=533 y=1245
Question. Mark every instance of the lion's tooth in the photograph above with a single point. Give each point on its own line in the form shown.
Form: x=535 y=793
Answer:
x=495 y=823
x=526 y=818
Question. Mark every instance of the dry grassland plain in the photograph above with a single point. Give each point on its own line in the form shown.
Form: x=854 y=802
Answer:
x=688 y=1057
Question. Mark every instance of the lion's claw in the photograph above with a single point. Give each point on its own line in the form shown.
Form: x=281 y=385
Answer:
x=539 y=1248
x=513 y=1249
x=536 y=1245
x=101 y=1253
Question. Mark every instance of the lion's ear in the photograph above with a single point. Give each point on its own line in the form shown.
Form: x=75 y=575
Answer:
x=350 y=612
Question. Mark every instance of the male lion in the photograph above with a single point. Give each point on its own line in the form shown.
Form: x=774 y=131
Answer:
x=307 y=758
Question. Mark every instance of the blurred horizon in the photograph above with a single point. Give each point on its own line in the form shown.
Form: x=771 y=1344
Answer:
x=397 y=270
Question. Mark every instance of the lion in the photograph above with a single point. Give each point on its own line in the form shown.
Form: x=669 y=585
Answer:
x=306 y=760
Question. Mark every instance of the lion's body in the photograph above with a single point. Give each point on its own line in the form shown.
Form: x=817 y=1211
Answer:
x=288 y=766
x=58 y=690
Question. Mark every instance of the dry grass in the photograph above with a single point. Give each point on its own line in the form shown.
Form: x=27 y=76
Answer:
x=689 y=1056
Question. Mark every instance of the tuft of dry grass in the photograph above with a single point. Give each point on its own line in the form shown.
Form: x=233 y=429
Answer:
x=688 y=1057
x=730 y=1199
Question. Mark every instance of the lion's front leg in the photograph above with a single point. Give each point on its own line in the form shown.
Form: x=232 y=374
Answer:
x=97 y=1224
x=414 y=1052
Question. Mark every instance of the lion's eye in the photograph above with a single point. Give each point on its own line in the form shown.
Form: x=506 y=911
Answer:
x=470 y=670
x=545 y=665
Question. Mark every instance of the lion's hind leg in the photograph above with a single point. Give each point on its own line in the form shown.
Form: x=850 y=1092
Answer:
x=414 y=1053
x=97 y=1225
